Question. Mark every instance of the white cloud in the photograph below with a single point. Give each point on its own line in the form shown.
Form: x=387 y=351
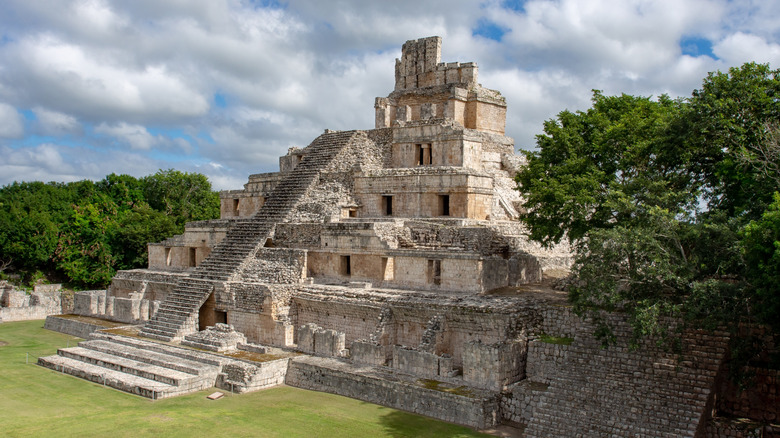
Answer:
x=11 y=124
x=741 y=47
x=56 y=123
x=137 y=80
x=136 y=136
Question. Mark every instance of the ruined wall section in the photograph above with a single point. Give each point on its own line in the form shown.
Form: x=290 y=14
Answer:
x=185 y=251
x=327 y=201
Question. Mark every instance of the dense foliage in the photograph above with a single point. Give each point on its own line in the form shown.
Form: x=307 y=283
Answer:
x=672 y=205
x=86 y=230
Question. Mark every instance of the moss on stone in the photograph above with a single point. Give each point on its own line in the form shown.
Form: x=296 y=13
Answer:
x=557 y=340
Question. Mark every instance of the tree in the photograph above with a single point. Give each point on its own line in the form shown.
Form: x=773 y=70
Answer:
x=181 y=195
x=625 y=182
x=605 y=166
x=137 y=228
x=83 y=251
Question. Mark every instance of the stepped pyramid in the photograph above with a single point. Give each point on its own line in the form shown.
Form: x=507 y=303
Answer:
x=395 y=253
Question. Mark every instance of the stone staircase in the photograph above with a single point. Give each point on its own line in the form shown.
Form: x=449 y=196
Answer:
x=140 y=367
x=618 y=392
x=178 y=314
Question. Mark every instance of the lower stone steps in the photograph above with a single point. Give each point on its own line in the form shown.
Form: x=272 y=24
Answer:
x=114 y=379
x=137 y=366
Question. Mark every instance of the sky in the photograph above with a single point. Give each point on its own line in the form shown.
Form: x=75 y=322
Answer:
x=224 y=87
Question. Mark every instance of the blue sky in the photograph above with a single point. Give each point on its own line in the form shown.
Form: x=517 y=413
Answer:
x=223 y=87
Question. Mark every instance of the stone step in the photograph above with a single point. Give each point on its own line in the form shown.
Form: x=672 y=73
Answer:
x=128 y=366
x=150 y=356
x=114 y=379
x=171 y=350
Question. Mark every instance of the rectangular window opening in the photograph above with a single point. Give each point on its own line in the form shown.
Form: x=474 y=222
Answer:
x=434 y=272
x=193 y=257
x=387 y=205
x=346 y=265
x=427 y=155
x=236 y=209
x=444 y=205
x=418 y=154
x=167 y=257
x=387 y=269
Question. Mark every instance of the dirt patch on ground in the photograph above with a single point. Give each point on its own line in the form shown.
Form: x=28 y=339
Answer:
x=3 y=343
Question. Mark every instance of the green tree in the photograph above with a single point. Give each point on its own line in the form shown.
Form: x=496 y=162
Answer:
x=181 y=195
x=83 y=250
x=137 y=228
x=625 y=181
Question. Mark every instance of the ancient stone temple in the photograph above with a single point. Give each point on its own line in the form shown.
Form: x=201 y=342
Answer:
x=392 y=258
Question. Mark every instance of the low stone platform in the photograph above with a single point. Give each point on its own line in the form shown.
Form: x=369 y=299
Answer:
x=441 y=400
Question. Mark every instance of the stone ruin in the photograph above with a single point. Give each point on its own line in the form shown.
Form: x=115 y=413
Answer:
x=44 y=300
x=392 y=259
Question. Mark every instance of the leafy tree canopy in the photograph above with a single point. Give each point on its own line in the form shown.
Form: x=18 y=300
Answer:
x=672 y=205
x=87 y=230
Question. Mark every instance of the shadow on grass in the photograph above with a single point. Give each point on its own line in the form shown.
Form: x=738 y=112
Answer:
x=404 y=424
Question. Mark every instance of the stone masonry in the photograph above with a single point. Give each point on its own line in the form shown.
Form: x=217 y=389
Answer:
x=391 y=261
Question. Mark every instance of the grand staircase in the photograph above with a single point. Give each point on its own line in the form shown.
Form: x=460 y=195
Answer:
x=178 y=314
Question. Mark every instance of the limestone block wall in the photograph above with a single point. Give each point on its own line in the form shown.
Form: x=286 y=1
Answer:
x=369 y=353
x=189 y=249
x=494 y=366
x=313 y=339
x=241 y=377
x=348 y=266
x=319 y=374
x=275 y=265
x=545 y=361
x=134 y=309
x=355 y=320
x=597 y=389
x=153 y=285
x=240 y=203
x=419 y=193
x=433 y=271
x=10 y=297
x=260 y=328
x=758 y=401
x=71 y=327
x=422 y=363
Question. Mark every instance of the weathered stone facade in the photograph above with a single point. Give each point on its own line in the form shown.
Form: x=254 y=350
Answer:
x=391 y=258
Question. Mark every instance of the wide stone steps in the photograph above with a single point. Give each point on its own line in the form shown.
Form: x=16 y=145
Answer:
x=114 y=379
x=164 y=360
x=137 y=366
x=128 y=366
x=243 y=239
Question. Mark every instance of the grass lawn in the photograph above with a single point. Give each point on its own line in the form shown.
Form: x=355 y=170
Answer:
x=35 y=401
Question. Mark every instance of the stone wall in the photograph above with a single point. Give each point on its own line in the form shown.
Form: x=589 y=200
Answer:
x=617 y=391
x=494 y=366
x=356 y=321
x=422 y=363
x=276 y=265
x=18 y=305
x=98 y=303
x=328 y=375
x=240 y=377
x=72 y=327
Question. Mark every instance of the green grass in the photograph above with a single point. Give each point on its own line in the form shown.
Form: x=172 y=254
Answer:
x=35 y=401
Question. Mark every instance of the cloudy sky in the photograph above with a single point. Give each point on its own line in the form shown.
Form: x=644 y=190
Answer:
x=223 y=87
